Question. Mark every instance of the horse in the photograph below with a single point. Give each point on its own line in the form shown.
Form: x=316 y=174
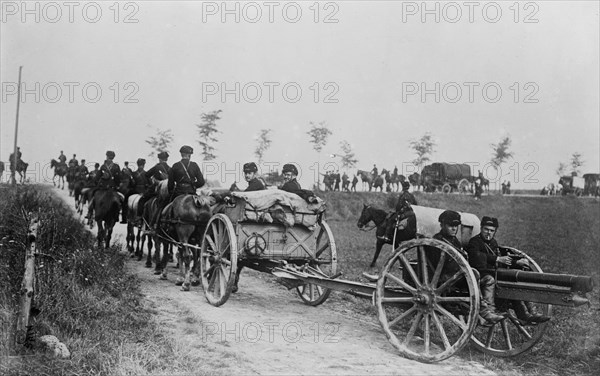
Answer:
x=186 y=218
x=107 y=205
x=415 y=180
x=71 y=178
x=134 y=220
x=78 y=186
x=60 y=170
x=21 y=169
x=378 y=183
x=366 y=178
x=405 y=224
x=392 y=180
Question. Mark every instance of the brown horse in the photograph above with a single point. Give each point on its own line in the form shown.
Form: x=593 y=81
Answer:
x=21 y=169
x=134 y=220
x=405 y=222
x=107 y=204
x=415 y=180
x=60 y=170
x=366 y=178
x=185 y=220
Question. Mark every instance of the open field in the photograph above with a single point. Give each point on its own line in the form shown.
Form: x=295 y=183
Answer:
x=560 y=233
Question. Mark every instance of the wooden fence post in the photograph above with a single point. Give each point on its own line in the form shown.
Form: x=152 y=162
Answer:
x=28 y=283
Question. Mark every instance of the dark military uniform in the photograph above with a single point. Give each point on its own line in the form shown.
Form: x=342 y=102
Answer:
x=255 y=184
x=62 y=159
x=141 y=181
x=483 y=255
x=291 y=186
x=159 y=172
x=83 y=170
x=405 y=196
x=109 y=175
x=184 y=178
x=73 y=162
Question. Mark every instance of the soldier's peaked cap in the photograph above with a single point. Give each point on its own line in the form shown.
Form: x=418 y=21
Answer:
x=288 y=167
x=110 y=154
x=405 y=184
x=489 y=221
x=450 y=217
x=163 y=155
x=141 y=161
x=250 y=167
x=186 y=149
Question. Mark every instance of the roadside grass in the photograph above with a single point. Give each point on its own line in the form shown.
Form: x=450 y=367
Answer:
x=84 y=296
x=560 y=233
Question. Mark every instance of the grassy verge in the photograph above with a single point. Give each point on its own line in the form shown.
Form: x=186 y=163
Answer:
x=560 y=233
x=84 y=296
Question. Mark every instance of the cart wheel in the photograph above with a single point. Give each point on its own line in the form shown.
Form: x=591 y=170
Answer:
x=464 y=186
x=326 y=264
x=509 y=337
x=446 y=188
x=427 y=300
x=218 y=259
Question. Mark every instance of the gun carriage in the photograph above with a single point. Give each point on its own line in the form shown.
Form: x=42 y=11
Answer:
x=427 y=296
x=447 y=177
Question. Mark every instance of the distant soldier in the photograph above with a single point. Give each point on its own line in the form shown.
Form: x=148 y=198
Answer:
x=354 y=182
x=62 y=158
x=405 y=195
x=338 y=179
x=504 y=187
x=508 y=187
x=375 y=171
x=185 y=176
x=92 y=175
x=140 y=185
x=345 y=182
x=108 y=177
x=73 y=161
x=82 y=170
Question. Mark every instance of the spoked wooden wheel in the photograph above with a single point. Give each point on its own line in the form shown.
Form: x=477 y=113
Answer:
x=325 y=264
x=509 y=337
x=446 y=188
x=463 y=186
x=218 y=259
x=427 y=300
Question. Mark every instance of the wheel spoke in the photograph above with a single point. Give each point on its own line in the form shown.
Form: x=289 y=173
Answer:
x=424 y=271
x=413 y=328
x=211 y=282
x=321 y=250
x=520 y=328
x=450 y=316
x=209 y=270
x=407 y=299
x=427 y=334
x=438 y=269
x=490 y=336
x=222 y=282
x=441 y=330
x=402 y=284
x=411 y=271
x=504 y=326
x=455 y=278
x=454 y=299
x=403 y=316
x=212 y=244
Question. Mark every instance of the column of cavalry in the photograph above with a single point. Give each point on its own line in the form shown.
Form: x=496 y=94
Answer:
x=427 y=296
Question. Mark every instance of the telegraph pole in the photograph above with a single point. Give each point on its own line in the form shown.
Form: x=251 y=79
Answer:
x=15 y=155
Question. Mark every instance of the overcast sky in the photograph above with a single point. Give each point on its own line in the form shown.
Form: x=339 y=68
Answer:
x=530 y=71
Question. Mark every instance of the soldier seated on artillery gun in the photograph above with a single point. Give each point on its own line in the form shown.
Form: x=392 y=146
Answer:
x=449 y=222
x=485 y=256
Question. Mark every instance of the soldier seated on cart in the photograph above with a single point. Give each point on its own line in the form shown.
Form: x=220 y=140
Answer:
x=290 y=173
x=486 y=256
x=449 y=222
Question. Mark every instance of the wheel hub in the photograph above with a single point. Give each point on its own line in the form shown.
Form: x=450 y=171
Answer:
x=425 y=299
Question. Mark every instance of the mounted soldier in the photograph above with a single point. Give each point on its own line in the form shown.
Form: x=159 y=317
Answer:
x=185 y=176
x=82 y=170
x=141 y=182
x=62 y=159
x=405 y=196
x=108 y=178
x=73 y=162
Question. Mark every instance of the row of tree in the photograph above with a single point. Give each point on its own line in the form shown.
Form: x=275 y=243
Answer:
x=319 y=133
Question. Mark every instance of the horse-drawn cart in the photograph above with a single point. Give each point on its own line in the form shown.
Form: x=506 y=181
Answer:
x=264 y=230
x=447 y=177
x=427 y=296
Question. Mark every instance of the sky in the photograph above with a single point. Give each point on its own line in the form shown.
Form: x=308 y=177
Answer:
x=103 y=76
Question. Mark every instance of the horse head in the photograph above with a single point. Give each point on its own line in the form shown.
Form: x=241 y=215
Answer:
x=365 y=216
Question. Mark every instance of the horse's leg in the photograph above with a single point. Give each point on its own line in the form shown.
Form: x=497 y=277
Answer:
x=100 y=233
x=149 y=256
x=237 y=277
x=164 y=260
x=378 y=247
x=109 y=230
x=130 y=239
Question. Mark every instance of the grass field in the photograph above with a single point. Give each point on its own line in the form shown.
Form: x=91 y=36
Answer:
x=560 y=233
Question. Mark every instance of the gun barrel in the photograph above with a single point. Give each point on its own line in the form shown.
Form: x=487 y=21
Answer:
x=574 y=282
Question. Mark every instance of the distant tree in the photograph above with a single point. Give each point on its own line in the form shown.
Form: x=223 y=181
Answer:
x=207 y=131
x=319 y=133
x=576 y=163
x=348 y=159
x=561 y=170
x=423 y=148
x=500 y=153
x=264 y=142
x=160 y=142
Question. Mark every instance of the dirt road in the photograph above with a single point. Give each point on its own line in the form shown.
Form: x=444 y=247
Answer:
x=266 y=329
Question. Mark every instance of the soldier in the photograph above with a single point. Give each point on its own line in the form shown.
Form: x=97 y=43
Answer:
x=485 y=256
x=139 y=185
x=449 y=222
x=126 y=170
x=185 y=176
x=345 y=182
x=338 y=179
x=108 y=177
x=405 y=195
x=375 y=171
x=159 y=172
x=404 y=219
x=73 y=162
x=290 y=173
x=92 y=175
x=354 y=182
x=250 y=174
x=82 y=170
x=62 y=159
